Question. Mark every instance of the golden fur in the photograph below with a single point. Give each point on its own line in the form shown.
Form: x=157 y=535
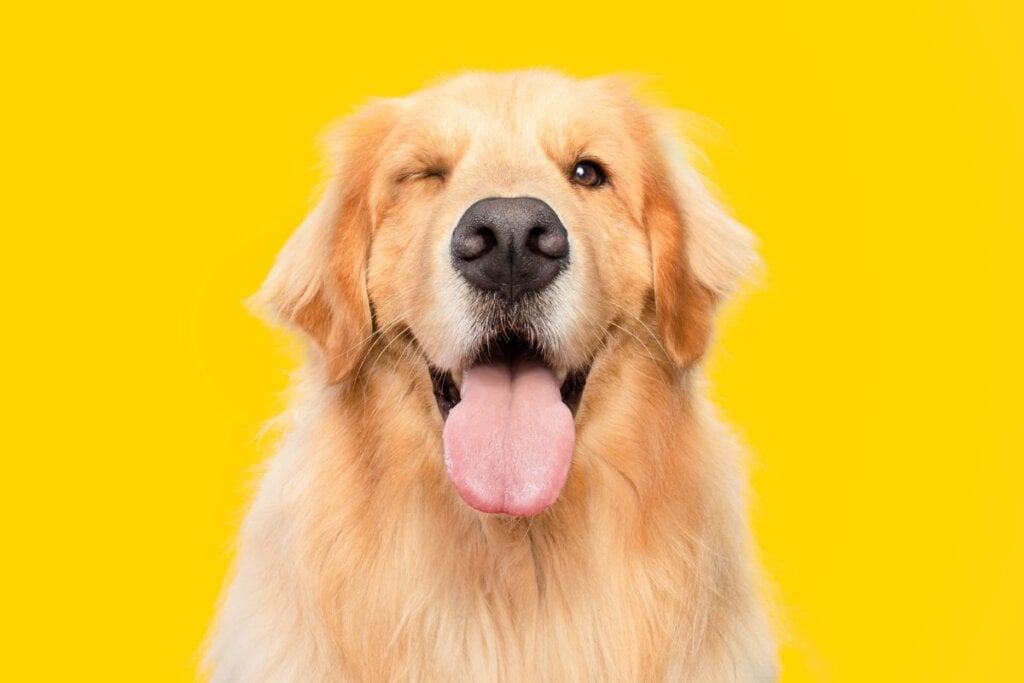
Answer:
x=358 y=561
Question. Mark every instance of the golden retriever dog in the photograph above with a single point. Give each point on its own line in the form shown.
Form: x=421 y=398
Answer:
x=499 y=465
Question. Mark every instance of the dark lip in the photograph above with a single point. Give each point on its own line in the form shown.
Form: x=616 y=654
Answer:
x=445 y=392
x=509 y=347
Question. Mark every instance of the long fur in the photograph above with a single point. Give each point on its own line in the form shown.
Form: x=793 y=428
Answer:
x=359 y=562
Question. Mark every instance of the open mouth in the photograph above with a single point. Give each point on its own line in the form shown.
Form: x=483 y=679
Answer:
x=509 y=427
x=511 y=349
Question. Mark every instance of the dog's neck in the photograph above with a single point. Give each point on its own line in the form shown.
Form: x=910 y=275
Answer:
x=631 y=529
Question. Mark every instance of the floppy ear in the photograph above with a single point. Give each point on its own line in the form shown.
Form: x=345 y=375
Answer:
x=317 y=284
x=699 y=253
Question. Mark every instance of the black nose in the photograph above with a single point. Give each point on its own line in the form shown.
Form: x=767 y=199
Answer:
x=510 y=245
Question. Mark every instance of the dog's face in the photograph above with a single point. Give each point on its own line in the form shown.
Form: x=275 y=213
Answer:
x=453 y=256
x=508 y=225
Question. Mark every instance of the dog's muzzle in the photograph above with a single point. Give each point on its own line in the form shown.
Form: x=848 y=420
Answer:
x=509 y=433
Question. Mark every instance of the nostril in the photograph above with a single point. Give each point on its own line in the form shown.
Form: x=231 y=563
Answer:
x=552 y=242
x=473 y=243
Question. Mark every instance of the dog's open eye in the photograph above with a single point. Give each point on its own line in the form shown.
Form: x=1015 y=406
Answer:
x=588 y=174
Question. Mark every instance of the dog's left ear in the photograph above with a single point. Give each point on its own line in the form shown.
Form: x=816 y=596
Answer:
x=699 y=253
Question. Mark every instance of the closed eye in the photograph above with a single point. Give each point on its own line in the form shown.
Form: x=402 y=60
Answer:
x=423 y=174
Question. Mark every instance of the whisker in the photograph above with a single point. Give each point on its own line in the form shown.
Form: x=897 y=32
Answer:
x=639 y=341
x=378 y=337
x=648 y=330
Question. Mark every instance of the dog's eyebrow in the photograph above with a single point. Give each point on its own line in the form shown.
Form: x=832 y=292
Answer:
x=566 y=152
x=410 y=159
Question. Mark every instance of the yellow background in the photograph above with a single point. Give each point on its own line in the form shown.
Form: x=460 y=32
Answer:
x=156 y=156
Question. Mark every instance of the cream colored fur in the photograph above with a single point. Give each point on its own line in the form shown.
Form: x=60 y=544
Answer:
x=357 y=560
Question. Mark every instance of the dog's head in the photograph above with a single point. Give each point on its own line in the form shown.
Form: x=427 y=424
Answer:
x=508 y=225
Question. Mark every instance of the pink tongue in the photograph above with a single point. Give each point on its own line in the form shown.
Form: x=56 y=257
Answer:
x=508 y=443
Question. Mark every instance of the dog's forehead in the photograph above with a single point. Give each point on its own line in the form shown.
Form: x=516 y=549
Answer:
x=520 y=132
x=521 y=110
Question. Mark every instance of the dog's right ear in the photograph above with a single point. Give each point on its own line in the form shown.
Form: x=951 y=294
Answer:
x=318 y=282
